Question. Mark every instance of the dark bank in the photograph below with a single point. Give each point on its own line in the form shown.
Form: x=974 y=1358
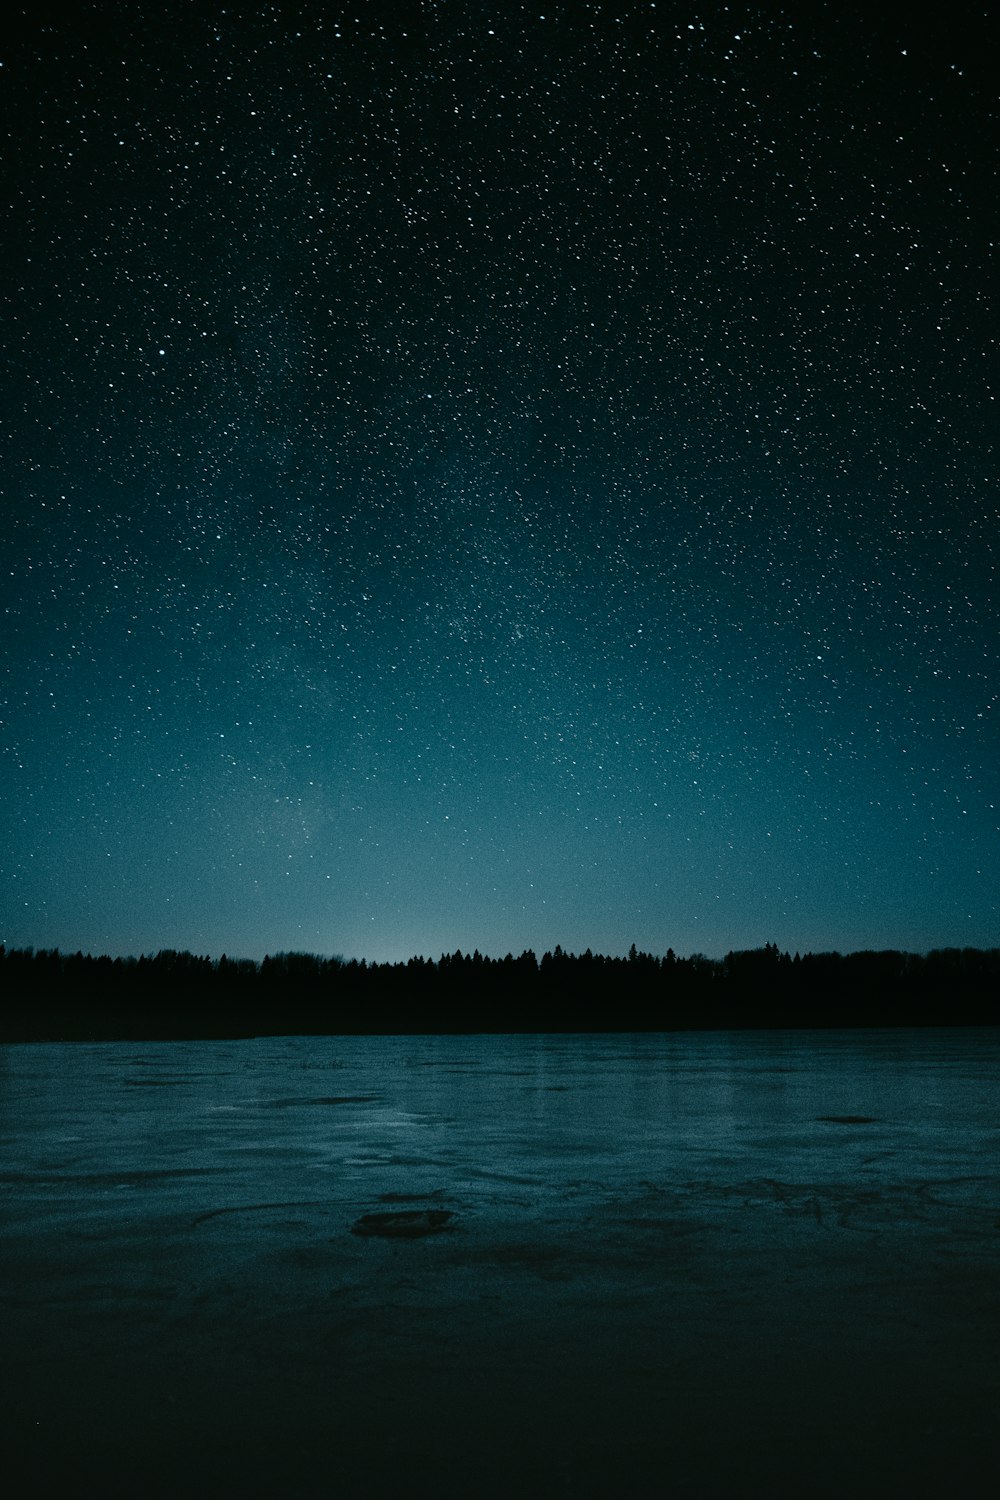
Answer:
x=48 y=995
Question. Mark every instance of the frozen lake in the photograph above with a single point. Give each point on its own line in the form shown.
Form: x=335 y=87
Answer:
x=699 y=1264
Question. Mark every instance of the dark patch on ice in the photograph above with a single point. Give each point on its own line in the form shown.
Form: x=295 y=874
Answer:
x=404 y=1224
x=445 y=1062
x=847 y=1119
x=152 y=1083
x=304 y=1100
x=438 y=1193
x=255 y=1208
x=110 y=1179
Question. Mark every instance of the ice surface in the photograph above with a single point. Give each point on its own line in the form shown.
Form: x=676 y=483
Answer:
x=694 y=1264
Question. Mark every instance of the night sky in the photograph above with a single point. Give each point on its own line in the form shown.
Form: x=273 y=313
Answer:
x=496 y=476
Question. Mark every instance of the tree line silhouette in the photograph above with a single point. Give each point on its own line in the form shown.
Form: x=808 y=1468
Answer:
x=49 y=995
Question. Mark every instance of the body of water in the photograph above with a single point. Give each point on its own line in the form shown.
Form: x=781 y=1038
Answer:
x=698 y=1264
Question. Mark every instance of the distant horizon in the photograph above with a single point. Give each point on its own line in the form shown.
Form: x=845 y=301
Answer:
x=493 y=956
x=56 y=996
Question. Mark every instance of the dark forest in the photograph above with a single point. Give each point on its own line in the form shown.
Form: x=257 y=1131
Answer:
x=48 y=995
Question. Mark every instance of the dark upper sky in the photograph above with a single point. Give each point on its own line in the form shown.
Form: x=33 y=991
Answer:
x=497 y=476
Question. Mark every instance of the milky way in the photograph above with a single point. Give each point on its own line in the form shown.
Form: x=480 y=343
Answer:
x=498 y=476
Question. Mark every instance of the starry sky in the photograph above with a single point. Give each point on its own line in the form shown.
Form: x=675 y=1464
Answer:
x=498 y=475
